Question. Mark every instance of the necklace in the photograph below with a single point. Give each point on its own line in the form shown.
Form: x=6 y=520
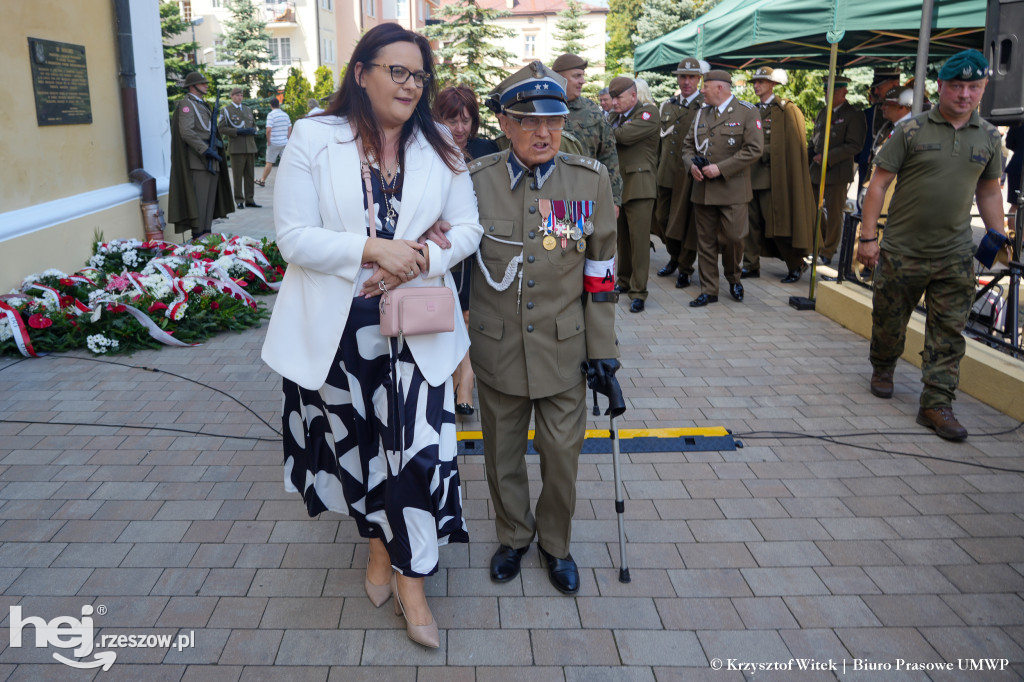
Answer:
x=391 y=216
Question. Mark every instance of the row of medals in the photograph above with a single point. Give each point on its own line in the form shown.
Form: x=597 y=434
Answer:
x=572 y=225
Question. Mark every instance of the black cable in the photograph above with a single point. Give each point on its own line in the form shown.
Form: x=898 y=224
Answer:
x=143 y=427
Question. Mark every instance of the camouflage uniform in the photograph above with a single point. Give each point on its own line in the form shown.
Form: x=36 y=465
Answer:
x=588 y=125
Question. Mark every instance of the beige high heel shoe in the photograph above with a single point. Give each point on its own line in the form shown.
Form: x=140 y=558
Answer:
x=378 y=594
x=427 y=635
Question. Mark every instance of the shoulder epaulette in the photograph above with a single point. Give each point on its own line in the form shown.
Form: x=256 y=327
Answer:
x=484 y=162
x=745 y=103
x=584 y=161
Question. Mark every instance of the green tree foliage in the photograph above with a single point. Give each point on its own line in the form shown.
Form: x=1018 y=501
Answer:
x=297 y=92
x=177 y=56
x=621 y=25
x=658 y=18
x=570 y=29
x=246 y=43
x=324 y=86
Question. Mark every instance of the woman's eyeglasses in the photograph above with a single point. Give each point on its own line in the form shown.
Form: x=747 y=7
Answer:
x=532 y=123
x=400 y=74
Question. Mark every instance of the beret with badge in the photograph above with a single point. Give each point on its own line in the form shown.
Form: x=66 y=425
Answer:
x=969 y=65
x=534 y=90
x=619 y=85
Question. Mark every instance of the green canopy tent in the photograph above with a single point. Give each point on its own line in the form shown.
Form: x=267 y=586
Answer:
x=794 y=33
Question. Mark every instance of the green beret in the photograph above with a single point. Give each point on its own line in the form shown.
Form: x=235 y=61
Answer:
x=969 y=65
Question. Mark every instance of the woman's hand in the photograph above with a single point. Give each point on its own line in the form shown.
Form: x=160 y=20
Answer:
x=371 y=287
x=402 y=257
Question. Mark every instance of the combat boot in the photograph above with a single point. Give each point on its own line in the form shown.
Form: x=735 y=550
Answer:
x=942 y=422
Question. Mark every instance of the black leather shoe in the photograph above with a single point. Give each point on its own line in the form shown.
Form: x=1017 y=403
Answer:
x=562 y=573
x=253 y=204
x=703 y=300
x=505 y=563
x=736 y=291
x=793 y=276
x=669 y=268
x=682 y=280
x=621 y=289
x=749 y=274
x=464 y=409
x=637 y=306
x=239 y=205
x=826 y=261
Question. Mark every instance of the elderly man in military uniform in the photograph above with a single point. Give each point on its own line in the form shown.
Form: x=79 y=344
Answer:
x=636 y=131
x=199 y=187
x=846 y=139
x=543 y=304
x=944 y=158
x=587 y=121
x=238 y=124
x=781 y=214
x=673 y=213
x=720 y=147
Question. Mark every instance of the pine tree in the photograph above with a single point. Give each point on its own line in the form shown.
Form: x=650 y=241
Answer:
x=177 y=57
x=246 y=43
x=621 y=25
x=297 y=93
x=570 y=29
x=324 y=86
x=467 y=52
x=658 y=18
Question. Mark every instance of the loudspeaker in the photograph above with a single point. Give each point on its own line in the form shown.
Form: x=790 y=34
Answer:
x=1003 y=102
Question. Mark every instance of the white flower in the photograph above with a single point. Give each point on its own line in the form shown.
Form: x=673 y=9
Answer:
x=179 y=311
x=53 y=272
x=16 y=302
x=5 y=329
x=95 y=294
x=130 y=258
x=34 y=277
x=225 y=263
x=99 y=344
x=97 y=261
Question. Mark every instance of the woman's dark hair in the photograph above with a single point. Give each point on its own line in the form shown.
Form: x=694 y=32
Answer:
x=352 y=101
x=451 y=102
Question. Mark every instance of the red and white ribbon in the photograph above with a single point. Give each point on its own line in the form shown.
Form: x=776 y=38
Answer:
x=18 y=329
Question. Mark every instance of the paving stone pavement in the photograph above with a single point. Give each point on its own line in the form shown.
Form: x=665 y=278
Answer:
x=841 y=531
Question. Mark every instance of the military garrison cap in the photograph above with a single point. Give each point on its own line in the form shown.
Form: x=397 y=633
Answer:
x=568 y=62
x=718 y=75
x=619 y=85
x=194 y=78
x=534 y=90
x=688 y=67
x=767 y=73
x=969 y=65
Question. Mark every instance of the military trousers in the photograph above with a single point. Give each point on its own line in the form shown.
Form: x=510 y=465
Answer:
x=560 y=423
x=676 y=251
x=757 y=242
x=634 y=246
x=947 y=285
x=205 y=184
x=720 y=229
x=832 y=225
x=243 y=176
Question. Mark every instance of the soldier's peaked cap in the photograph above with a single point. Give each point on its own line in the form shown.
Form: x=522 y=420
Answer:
x=534 y=90
x=767 y=73
x=688 y=66
x=194 y=78
x=568 y=62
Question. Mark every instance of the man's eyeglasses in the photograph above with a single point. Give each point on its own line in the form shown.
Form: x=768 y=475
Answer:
x=532 y=123
x=400 y=74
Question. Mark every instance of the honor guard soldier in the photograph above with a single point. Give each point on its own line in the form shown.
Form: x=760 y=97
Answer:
x=636 y=131
x=199 y=187
x=673 y=213
x=846 y=139
x=946 y=159
x=587 y=122
x=543 y=304
x=723 y=142
x=781 y=214
x=238 y=124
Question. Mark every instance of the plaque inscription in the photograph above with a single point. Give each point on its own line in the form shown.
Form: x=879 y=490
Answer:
x=60 y=82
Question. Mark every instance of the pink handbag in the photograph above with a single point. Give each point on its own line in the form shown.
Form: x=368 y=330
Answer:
x=408 y=311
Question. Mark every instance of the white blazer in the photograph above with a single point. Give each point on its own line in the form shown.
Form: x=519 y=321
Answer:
x=321 y=231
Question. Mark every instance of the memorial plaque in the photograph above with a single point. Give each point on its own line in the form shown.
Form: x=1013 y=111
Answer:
x=60 y=82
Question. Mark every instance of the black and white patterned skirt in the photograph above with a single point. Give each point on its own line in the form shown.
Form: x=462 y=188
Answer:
x=341 y=447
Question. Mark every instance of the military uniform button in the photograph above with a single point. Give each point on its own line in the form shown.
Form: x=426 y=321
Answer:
x=530 y=259
x=529 y=327
x=481 y=327
x=531 y=234
x=491 y=228
x=533 y=209
x=577 y=327
x=530 y=283
x=529 y=305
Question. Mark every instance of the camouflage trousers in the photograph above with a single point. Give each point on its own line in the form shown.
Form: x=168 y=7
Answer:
x=947 y=285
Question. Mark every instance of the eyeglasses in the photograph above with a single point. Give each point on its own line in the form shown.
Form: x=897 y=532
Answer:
x=532 y=123
x=400 y=74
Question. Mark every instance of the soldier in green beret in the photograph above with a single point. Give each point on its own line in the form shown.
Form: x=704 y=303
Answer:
x=944 y=158
x=543 y=304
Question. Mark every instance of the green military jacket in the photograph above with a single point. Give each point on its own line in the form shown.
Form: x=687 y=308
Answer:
x=732 y=141
x=849 y=128
x=530 y=324
x=193 y=120
x=231 y=119
x=676 y=119
x=636 y=140
x=588 y=125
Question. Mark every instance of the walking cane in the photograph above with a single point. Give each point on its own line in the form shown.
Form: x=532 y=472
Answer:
x=616 y=406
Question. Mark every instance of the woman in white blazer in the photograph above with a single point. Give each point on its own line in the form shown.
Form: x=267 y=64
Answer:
x=369 y=423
